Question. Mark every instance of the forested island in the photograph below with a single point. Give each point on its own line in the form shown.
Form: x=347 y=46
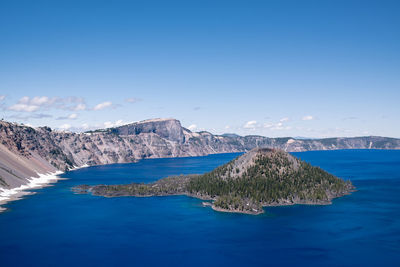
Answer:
x=27 y=152
x=259 y=178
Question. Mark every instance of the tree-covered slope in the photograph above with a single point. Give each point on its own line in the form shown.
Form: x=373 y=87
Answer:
x=261 y=177
x=268 y=177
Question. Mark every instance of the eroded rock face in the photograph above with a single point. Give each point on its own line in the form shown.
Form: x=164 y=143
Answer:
x=169 y=129
x=24 y=150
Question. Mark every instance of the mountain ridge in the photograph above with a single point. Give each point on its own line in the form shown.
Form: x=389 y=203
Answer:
x=26 y=152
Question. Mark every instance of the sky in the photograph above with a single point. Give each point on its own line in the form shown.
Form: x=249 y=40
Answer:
x=273 y=68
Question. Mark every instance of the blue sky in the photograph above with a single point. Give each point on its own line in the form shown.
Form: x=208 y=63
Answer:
x=274 y=68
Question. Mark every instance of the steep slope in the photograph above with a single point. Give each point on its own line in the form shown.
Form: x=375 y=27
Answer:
x=26 y=151
x=265 y=177
x=169 y=129
x=261 y=177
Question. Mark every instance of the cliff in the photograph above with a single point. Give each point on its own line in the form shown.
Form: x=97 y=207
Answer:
x=27 y=151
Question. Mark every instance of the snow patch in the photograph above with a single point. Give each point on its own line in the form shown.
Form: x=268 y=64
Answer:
x=79 y=167
x=33 y=182
x=43 y=180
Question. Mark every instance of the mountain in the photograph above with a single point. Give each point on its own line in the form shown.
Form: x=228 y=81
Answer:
x=169 y=129
x=261 y=177
x=26 y=152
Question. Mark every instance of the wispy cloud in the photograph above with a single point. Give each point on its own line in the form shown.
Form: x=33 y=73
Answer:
x=349 y=118
x=192 y=127
x=85 y=126
x=65 y=127
x=2 y=97
x=28 y=104
x=24 y=107
x=109 y=124
x=308 y=118
x=72 y=103
x=33 y=104
x=30 y=116
x=103 y=105
x=78 y=107
x=72 y=116
x=250 y=125
x=277 y=126
x=133 y=100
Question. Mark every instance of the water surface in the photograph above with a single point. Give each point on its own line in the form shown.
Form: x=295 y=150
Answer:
x=57 y=227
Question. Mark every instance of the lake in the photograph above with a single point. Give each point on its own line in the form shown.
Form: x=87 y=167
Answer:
x=56 y=227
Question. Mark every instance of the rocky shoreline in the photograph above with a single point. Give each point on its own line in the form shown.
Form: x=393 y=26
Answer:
x=26 y=151
x=96 y=191
x=279 y=170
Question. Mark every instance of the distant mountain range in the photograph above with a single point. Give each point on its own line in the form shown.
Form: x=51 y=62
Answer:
x=27 y=151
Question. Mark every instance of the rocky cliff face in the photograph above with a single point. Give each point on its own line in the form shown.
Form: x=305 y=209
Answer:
x=169 y=129
x=26 y=151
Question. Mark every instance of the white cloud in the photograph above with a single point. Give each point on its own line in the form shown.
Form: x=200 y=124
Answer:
x=284 y=119
x=308 y=118
x=103 y=105
x=65 y=127
x=73 y=116
x=268 y=125
x=78 y=107
x=133 y=100
x=250 y=125
x=41 y=100
x=192 y=127
x=24 y=100
x=28 y=104
x=30 y=116
x=72 y=103
x=24 y=107
x=227 y=127
x=109 y=124
x=277 y=126
x=2 y=97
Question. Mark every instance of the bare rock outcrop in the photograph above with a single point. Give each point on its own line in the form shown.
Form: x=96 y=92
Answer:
x=26 y=151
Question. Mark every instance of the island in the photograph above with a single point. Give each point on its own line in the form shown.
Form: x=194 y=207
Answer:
x=259 y=178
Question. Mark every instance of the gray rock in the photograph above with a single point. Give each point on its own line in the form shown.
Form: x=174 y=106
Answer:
x=25 y=151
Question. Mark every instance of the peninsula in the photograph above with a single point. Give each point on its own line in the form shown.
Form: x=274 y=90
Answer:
x=261 y=177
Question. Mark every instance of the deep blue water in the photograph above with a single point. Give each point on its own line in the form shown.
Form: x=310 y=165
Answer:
x=58 y=228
